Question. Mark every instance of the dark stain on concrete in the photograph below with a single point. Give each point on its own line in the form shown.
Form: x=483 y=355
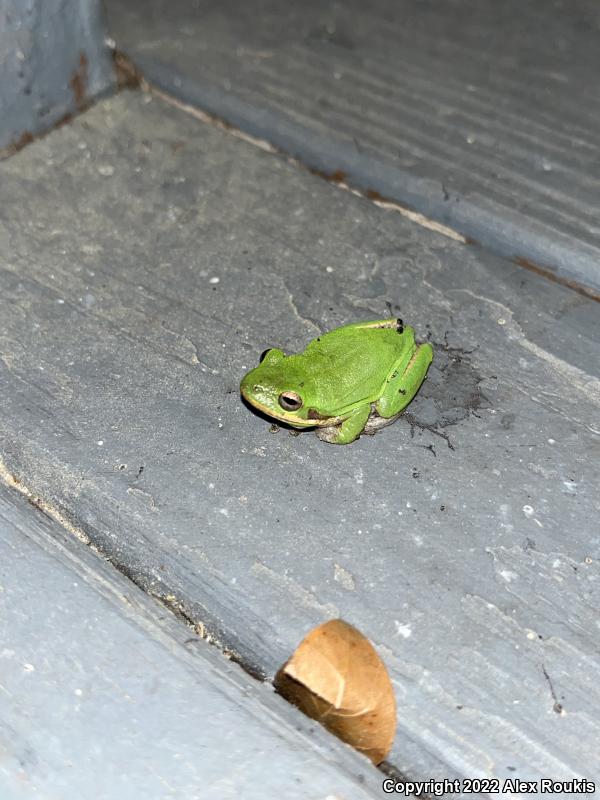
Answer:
x=450 y=394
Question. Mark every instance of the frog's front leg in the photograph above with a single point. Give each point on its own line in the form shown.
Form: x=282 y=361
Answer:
x=404 y=382
x=347 y=431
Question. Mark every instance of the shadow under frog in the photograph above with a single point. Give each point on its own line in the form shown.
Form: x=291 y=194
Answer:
x=450 y=394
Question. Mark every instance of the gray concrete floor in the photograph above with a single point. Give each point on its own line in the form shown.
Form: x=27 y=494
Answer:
x=147 y=258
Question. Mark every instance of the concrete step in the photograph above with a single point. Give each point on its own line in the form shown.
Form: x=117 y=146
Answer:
x=481 y=115
x=146 y=260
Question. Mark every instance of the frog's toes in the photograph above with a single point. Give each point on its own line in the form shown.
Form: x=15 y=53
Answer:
x=376 y=423
x=329 y=434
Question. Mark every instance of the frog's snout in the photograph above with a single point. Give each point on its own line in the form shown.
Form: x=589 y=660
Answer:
x=254 y=391
x=247 y=388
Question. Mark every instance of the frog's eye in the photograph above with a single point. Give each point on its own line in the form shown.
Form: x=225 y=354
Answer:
x=264 y=354
x=290 y=401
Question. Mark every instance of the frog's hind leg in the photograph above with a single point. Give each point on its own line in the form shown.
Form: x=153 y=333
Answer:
x=349 y=430
x=404 y=381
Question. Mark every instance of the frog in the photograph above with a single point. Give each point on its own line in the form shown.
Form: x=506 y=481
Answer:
x=352 y=380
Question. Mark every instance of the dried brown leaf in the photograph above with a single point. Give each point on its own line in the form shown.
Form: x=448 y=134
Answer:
x=336 y=677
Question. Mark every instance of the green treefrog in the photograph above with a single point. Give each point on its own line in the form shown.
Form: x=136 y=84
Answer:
x=352 y=380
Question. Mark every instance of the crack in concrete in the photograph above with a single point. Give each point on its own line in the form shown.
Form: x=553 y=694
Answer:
x=294 y=307
x=577 y=378
x=558 y=411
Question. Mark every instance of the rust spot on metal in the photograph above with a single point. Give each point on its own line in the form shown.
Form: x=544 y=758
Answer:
x=128 y=75
x=549 y=274
x=27 y=137
x=338 y=176
x=78 y=82
x=373 y=194
x=17 y=144
x=546 y=272
x=64 y=120
x=24 y=139
x=78 y=85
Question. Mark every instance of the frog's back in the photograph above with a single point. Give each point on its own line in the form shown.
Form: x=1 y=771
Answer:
x=352 y=363
x=384 y=338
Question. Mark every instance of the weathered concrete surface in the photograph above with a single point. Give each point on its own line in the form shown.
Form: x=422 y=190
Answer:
x=53 y=63
x=146 y=261
x=482 y=115
x=104 y=695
